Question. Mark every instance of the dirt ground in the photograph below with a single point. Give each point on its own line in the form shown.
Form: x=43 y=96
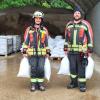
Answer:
x=14 y=88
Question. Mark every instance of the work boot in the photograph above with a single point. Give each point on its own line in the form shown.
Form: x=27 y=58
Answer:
x=72 y=84
x=33 y=87
x=41 y=87
x=82 y=87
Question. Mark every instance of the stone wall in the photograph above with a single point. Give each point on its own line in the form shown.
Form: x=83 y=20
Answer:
x=14 y=21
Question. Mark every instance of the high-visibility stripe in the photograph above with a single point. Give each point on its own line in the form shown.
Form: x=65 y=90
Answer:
x=74 y=40
x=66 y=43
x=24 y=45
x=40 y=80
x=77 y=48
x=43 y=36
x=47 y=47
x=40 y=51
x=73 y=76
x=90 y=45
x=78 y=26
x=82 y=80
x=34 y=80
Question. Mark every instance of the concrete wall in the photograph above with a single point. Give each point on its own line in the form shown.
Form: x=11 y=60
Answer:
x=94 y=18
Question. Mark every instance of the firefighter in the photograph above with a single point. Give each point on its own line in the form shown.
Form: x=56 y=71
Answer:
x=78 y=45
x=35 y=46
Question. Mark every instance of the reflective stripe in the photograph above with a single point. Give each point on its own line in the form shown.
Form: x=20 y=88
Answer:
x=31 y=51
x=74 y=40
x=47 y=48
x=73 y=76
x=34 y=80
x=90 y=45
x=38 y=43
x=84 y=48
x=24 y=45
x=78 y=26
x=77 y=48
x=66 y=43
x=82 y=80
x=40 y=80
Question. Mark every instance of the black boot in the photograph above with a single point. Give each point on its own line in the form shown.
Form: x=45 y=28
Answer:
x=82 y=87
x=73 y=84
x=33 y=87
x=41 y=86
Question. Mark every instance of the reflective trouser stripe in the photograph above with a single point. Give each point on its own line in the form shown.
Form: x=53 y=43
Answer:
x=73 y=76
x=82 y=80
x=40 y=80
x=34 y=80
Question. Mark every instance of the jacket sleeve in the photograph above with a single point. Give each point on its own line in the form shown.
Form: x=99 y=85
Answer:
x=46 y=41
x=89 y=34
x=26 y=38
x=66 y=39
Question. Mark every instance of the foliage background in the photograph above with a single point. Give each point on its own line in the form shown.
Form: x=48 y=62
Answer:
x=4 y=4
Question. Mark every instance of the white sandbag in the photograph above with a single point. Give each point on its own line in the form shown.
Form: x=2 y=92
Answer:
x=89 y=68
x=64 y=68
x=24 y=70
x=47 y=69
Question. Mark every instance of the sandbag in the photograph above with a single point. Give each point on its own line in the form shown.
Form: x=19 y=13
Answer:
x=47 y=69
x=24 y=70
x=64 y=67
x=89 y=68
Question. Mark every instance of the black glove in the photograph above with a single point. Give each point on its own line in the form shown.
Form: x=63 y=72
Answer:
x=24 y=50
x=84 y=60
x=48 y=52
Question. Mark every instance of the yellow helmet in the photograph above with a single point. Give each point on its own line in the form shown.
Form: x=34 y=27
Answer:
x=38 y=14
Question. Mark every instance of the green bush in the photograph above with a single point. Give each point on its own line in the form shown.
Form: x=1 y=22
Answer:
x=38 y=3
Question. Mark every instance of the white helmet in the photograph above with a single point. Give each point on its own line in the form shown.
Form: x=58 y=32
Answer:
x=38 y=14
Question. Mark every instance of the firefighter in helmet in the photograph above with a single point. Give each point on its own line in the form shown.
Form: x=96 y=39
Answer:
x=35 y=46
x=78 y=45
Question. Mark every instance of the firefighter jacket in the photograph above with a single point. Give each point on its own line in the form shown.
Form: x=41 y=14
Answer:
x=36 y=41
x=78 y=37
